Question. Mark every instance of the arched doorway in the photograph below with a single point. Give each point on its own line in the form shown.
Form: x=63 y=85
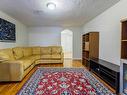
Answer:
x=67 y=43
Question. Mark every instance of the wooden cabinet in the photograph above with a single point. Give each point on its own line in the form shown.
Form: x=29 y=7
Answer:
x=107 y=71
x=124 y=40
x=90 y=47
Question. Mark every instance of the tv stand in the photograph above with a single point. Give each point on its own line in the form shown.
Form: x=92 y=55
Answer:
x=107 y=71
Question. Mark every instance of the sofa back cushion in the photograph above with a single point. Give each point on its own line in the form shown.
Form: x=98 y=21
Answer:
x=27 y=51
x=45 y=50
x=56 y=49
x=36 y=50
x=6 y=54
x=18 y=52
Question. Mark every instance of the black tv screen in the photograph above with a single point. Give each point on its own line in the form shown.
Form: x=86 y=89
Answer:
x=7 y=31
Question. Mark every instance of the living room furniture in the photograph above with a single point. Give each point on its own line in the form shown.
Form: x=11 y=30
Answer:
x=107 y=71
x=124 y=40
x=123 y=65
x=90 y=47
x=16 y=62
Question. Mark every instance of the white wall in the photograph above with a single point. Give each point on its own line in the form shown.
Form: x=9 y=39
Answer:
x=21 y=33
x=109 y=26
x=47 y=36
x=44 y=36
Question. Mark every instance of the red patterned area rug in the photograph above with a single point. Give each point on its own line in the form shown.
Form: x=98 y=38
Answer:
x=63 y=81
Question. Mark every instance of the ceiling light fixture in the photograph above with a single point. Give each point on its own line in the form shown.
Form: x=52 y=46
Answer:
x=51 y=6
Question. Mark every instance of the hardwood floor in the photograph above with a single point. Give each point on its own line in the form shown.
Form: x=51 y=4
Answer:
x=68 y=63
x=11 y=88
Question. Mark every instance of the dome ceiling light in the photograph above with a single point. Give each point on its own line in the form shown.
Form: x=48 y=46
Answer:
x=51 y=6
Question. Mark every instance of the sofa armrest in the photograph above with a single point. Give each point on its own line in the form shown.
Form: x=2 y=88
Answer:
x=62 y=55
x=11 y=71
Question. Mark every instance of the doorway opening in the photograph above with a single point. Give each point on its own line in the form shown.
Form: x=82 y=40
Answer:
x=67 y=43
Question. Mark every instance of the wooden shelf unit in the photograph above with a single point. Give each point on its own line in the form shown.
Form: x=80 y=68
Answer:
x=90 y=47
x=124 y=40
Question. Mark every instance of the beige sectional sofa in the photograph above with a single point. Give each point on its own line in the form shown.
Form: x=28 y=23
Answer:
x=16 y=62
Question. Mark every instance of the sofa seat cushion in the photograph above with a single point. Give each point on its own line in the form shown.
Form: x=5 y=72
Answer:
x=46 y=57
x=6 y=55
x=35 y=57
x=46 y=50
x=18 y=52
x=27 y=62
x=56 y=56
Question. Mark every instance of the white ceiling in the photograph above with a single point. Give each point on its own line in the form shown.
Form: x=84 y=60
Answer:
x=67 y=12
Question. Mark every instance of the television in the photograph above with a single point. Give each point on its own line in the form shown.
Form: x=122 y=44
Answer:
x=7 y=31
